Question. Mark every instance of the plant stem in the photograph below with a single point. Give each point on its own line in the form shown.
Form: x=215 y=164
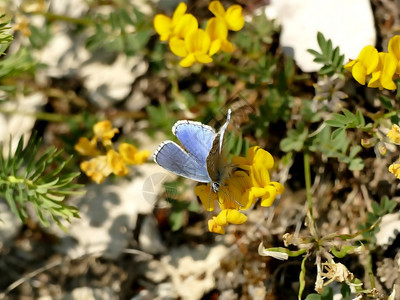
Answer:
x=51 y=117
x=307 y=178
x=55 y=17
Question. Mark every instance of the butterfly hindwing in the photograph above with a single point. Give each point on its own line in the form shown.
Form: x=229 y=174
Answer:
x=173 y=158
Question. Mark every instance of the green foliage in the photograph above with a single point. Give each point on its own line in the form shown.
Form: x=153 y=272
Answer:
x=5 y=37
x=348 y=120
x=295 y=139
x=123 y=30
x=16 y=64
x=40 y=36
x=255 y=35
x=179 y=208
x=330 y=57
x=24 y=178
x=386 y=206
x=337 y=145
x=327 y=294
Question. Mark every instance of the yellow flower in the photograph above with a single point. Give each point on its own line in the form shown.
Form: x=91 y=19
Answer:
x=97 y=168
x=233 y=16
x=395 y=169
x=241 y=190
x=86 y=147
x=394 y=134
x=214 y=227
x=179 y=26
x=131 y=155
x=365 y=64
x=382 y=77
x=103 y=131
x=218 y=32
x=224 y=218
x=116 y=163
x=394 y=48
x=258 y=162
x=195 y=48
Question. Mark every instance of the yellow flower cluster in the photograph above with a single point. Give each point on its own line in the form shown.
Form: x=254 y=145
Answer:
x=241 y=190
x=107 y=161
x=394 y=137
x=194 y=44
x=382 y=66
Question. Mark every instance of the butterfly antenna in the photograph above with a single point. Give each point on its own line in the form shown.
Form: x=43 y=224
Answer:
x=231 y=198
x=209 y=199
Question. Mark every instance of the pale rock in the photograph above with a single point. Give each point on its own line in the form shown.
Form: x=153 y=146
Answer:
x=88 y=293
x=108 y=215
x=154 y=271
x=149 y=236
x=63 y=55
x=349 y=24
x=10 y=224
x=389 y=228
x=109 y=83
x=192 y=269
x=166 y=290
x=18 y=124
x=70 y=8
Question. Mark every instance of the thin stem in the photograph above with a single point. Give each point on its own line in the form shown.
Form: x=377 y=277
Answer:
x=51 y=117
x=307 y=178
x=55 y=17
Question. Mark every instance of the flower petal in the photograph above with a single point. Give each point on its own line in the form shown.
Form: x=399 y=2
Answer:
x=86 y=147
x=234 y=18
x=185 y=25
x=232 y=216
x=116 y=163
x=359 y=73
x=214 y=227
x=394 y=48
x=163 y=26
x=188 y=61
x=180 y=10
x=369 y=58
x=206 y=195
x=178 y=47
x=217 y=9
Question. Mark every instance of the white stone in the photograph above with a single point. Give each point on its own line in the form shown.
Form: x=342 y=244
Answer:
x=109 y=83
x=349 y=24
x=108 y=215
x=63 y=55
x=192 y=269
x=10 y=224
x=149 y=237
x=20 y=123
x=389 y=228
x=88 y=293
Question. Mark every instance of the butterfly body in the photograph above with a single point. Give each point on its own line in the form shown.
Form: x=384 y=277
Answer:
x=202 y=158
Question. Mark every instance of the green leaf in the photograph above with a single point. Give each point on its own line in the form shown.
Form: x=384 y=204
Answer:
x=321 y=40
x=345 y=291
x=360 y=118
x=376 y=208
x=314 y=297
x=338 y=133
x=356 y=164
x=349 y=115
x=302 y=277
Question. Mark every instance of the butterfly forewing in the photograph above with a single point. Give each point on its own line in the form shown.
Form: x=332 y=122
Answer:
x=196 y=138
x=173 y=158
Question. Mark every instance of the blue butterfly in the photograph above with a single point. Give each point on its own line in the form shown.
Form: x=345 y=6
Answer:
x=203 y=159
